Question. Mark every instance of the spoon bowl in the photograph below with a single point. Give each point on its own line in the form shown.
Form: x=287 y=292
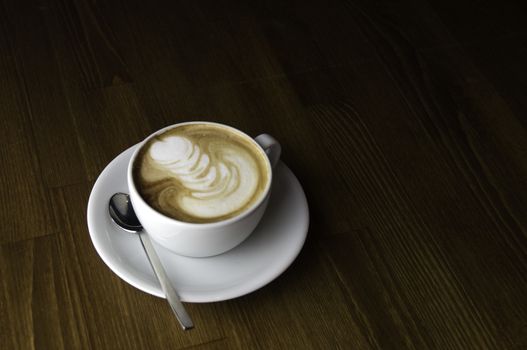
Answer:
x=123 y=214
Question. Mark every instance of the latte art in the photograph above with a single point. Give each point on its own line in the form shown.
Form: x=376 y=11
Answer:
x=213 y=189
x=201 y=173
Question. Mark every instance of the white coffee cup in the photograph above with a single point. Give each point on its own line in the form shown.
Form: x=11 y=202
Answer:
x=203 y=239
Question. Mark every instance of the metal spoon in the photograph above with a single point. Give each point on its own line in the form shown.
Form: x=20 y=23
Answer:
x=122 y=213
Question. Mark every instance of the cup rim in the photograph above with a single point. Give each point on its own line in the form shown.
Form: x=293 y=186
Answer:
x=241 y=216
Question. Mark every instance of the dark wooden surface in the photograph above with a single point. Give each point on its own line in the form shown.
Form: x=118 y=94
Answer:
x=405 y=121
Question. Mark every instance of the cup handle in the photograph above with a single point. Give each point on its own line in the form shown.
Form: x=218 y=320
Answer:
x=270 y=146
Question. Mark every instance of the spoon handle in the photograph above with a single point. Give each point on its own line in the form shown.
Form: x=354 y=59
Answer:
x=171 y=295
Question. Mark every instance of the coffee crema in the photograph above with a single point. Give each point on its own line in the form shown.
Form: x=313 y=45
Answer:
x=201 y=173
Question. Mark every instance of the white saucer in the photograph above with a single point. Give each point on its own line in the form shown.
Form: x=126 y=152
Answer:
x=262 y=257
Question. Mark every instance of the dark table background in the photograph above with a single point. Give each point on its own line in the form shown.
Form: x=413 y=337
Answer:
x=405 y=121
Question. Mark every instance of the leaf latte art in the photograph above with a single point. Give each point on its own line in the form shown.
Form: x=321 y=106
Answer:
x=201 y=173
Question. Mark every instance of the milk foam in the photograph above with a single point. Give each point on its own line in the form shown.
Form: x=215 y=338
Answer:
x=202 y=177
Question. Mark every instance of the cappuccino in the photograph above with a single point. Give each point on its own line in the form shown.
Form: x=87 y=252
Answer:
x=201 y=173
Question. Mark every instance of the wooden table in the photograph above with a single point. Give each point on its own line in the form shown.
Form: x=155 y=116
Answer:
x=405 y=122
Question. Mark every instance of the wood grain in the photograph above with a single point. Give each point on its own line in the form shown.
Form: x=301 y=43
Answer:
x=488 y=20
x=37 y=303
x=404 y=122
x=307 y=305
x=44 y=97
x=23 y=190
